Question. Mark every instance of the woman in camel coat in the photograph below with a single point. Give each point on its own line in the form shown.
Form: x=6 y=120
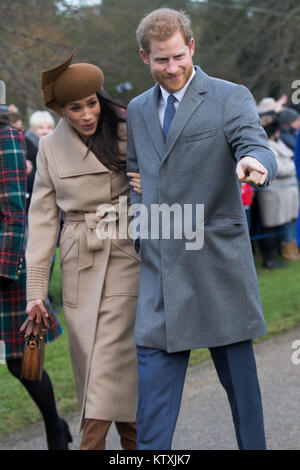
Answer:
x=78 y=174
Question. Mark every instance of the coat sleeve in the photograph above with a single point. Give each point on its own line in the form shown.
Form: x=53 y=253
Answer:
x=243 y=131
x=132 y=166
x=12 y=204
x=43 y=229
x=132 y=161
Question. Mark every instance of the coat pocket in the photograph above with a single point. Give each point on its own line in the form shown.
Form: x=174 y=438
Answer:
x=123 y=270
x=223 y=222
x=226 y=239
x=127 y=246
x=69 y=254
x=200 y=135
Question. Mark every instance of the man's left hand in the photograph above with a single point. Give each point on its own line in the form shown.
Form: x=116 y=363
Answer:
x=250 y=170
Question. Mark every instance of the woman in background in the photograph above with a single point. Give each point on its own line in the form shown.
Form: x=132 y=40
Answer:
x=278 y=204
x=40 y=123
x=13 y=279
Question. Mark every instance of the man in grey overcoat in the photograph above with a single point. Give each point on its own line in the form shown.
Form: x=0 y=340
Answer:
x=193 y=138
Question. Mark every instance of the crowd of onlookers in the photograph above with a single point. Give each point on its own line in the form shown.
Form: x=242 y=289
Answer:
x=272 y=213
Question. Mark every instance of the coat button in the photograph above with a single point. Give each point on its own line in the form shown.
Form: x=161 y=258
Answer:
x=18 y=272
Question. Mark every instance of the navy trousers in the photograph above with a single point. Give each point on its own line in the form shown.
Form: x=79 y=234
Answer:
x=161 y=381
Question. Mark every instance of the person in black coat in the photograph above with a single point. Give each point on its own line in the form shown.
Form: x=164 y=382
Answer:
x=289 y=124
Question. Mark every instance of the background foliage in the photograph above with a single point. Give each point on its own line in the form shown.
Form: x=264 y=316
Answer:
x=253 y=42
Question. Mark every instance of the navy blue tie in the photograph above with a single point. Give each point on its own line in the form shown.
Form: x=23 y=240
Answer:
x=169 y=114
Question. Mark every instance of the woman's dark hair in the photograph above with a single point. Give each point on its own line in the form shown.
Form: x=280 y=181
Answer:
x=270 y=122
x=4 y=120
x=105 y=142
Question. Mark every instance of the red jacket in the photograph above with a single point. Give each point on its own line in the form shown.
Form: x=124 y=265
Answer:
x=247 y=194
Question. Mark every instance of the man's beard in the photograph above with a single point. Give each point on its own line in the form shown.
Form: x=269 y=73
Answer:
x=170 y=87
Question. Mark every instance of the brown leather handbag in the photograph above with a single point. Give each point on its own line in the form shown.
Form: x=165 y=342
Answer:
x=33 y=357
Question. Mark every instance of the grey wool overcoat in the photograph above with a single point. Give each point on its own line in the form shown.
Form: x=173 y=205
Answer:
x=207 y=297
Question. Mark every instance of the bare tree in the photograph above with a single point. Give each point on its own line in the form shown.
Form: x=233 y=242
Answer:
x=253 y=42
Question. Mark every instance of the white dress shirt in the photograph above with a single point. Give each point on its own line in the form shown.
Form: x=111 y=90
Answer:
x=162 y=102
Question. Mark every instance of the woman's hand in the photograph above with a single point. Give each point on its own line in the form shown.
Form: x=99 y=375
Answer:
x=135 y=182
x=29 y=167
x=38 y=317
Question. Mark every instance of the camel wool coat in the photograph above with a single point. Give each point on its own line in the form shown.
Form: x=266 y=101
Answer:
x=100 y=277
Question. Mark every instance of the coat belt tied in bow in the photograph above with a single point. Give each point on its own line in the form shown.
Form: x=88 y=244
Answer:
x=90 y=235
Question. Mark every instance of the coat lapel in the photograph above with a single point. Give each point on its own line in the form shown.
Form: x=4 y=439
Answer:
x=71 y=155
x=151 y=119
x=191 y=101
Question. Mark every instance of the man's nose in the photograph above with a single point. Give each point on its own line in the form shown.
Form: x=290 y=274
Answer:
x=172 y=67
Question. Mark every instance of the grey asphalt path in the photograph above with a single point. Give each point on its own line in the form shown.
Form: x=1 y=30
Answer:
x=205 y=419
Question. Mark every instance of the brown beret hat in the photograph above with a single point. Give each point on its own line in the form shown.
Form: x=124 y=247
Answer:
x=66 y=83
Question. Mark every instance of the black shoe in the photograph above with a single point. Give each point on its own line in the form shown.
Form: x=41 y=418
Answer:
x=61 y=440
x=273 y=264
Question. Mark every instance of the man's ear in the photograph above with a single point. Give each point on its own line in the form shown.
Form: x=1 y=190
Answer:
x=145 y=57
x=192 y=46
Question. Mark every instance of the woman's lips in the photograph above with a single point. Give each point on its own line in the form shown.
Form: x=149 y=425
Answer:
x=89 y=126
